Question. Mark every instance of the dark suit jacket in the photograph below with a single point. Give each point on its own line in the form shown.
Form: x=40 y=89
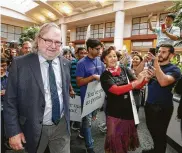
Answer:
x=24 y=100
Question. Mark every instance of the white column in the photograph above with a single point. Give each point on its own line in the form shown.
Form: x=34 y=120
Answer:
x=64 y=33
x=119 y=24
x=73 y=34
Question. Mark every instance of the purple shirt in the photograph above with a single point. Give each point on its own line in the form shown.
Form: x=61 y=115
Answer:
x=87 y=67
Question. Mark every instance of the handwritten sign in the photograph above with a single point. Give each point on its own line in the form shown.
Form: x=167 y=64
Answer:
x=75 y=109
x=94 y=98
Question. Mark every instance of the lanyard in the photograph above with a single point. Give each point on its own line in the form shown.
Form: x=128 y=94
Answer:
x=170 y=29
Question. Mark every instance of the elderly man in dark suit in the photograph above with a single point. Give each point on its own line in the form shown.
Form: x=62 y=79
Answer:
x=36 y=107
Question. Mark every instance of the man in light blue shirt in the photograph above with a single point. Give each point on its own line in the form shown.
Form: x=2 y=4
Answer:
x=167 y=33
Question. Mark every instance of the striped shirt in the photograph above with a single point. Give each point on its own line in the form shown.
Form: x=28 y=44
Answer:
x=73 y=77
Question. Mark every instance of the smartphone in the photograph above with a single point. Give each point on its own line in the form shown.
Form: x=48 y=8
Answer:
x=153 y=51
x=163 y=26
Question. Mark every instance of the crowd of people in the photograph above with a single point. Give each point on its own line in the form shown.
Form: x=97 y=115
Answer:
x=37 y=82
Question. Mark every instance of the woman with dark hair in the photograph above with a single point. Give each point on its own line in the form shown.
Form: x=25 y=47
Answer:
x=136 y=60
x=121 y=132
x=67 y=54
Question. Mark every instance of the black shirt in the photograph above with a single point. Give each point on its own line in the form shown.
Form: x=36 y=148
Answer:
x=118 y=106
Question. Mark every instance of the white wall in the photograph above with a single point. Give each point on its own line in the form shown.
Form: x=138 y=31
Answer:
x=19 y=23
x=73 y=34
x=127 y=26
x=174 y=131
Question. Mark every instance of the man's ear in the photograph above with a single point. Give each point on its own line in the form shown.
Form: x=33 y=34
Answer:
x=171 y=56
x=89 y=48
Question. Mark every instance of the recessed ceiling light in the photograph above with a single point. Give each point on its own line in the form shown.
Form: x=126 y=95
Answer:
x=102 y=1
x=50 y=14
x=43 y=0
x=66 y=9
x=42 y=18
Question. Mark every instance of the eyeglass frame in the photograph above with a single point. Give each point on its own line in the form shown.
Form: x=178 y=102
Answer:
x=98 y=49
x=51 y=41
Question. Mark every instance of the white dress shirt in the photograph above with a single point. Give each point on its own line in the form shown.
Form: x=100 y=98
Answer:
x=44 y=66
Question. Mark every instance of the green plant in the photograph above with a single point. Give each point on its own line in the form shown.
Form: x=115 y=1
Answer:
x=176 y=60
x=28 y=34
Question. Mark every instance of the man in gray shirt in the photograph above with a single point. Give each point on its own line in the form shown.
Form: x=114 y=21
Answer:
x=167 y=33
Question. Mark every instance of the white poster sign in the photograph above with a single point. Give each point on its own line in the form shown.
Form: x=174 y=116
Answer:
x=133 y=104
x=94 y=98
x=135 y=114
x=75 y=109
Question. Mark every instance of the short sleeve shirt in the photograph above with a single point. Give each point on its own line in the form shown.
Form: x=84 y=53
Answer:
x=87 y=67
x=163 y=39
x=163 y=95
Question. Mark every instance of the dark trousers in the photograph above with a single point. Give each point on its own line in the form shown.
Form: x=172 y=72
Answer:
x=2 y=133
x=157 y=120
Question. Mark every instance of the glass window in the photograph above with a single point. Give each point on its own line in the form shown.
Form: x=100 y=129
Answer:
x=100 y=35
x=81 y=33
x=101 y=26
x=4 y=27
x=136 y=20
x=108 y=24
x=11 y=29
x=11 y=36
x=140 y=25
x=112 y=34
x=17 y=37
x=144 y=19
x=18 y=30
x=150 y=32
x=109 y=30
x=95 y=31
x=154 y=24
x=100 y=30
x=135 y=32
x=143 y=26
x=143 y=32
x=96 y=26
x=4 y=34
x=10 y=32
x=136 y=26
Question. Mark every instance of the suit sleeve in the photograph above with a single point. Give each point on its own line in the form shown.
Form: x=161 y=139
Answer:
x=12 y=126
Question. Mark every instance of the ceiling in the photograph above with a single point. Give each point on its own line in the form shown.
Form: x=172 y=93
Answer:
x=45 y=11
x=48 y=11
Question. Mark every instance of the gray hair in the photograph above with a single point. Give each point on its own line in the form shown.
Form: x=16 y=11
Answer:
x=26 y=42
x=43 y=29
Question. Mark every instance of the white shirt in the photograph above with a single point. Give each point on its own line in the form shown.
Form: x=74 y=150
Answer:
x=163 y=38
x=47 y=120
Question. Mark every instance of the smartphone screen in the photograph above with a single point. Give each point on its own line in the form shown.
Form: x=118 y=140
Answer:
x=153 y=51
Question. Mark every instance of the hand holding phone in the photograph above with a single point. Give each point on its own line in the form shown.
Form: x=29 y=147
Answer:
x=163 y=26
x=152 y=51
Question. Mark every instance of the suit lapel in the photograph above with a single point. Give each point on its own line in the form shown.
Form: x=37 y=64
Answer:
x=35 y=66
x=62 y=64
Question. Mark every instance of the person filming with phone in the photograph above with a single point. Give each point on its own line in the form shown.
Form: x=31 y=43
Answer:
x=159 y=103
x=167 y=33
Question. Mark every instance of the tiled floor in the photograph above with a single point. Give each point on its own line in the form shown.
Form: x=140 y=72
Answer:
x=99 y=137
x=77 y=145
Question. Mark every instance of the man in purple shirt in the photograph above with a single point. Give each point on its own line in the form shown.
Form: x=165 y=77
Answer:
x=89 y=69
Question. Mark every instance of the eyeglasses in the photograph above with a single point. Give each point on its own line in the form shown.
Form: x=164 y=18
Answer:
x=98 y=49
x=49 y=42
x=134 y=53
